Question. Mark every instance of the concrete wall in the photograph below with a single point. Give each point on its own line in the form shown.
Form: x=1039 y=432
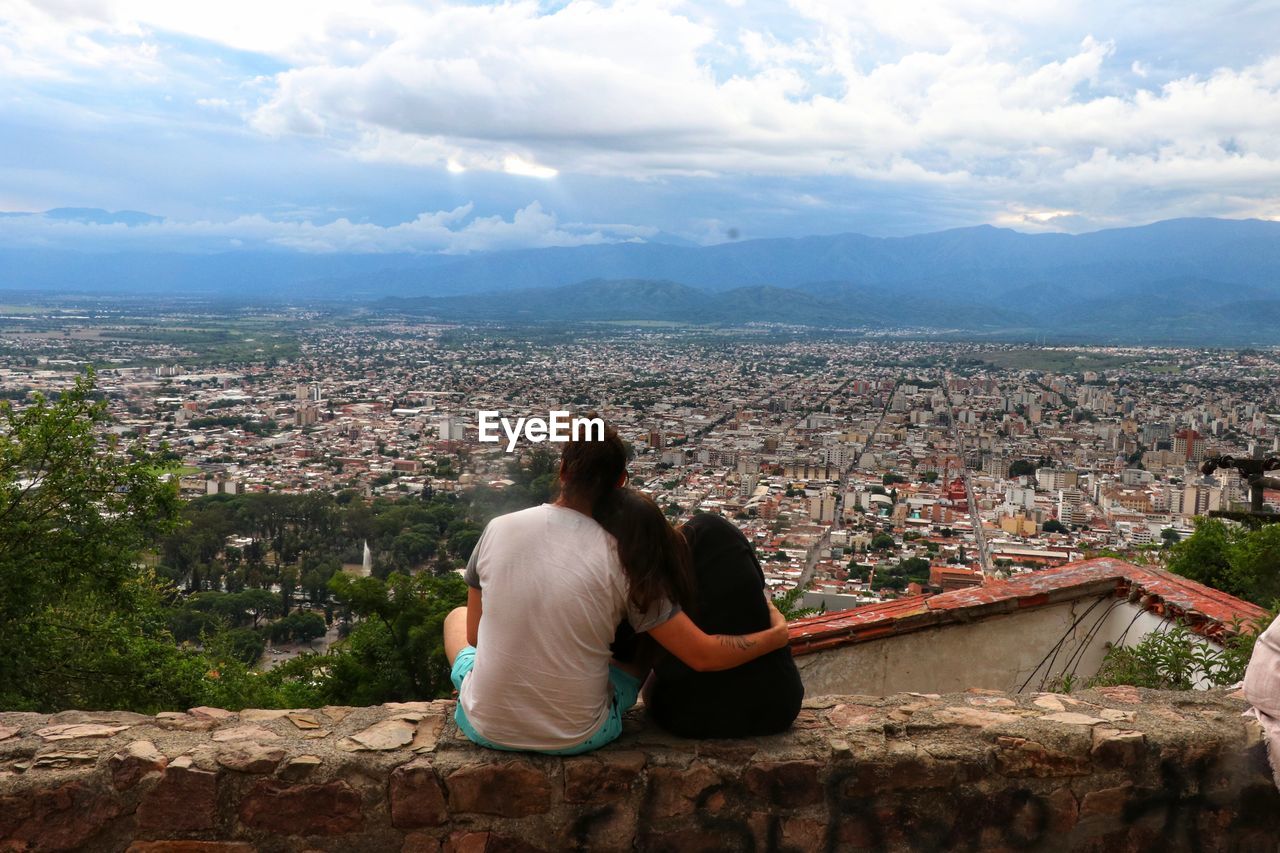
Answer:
x=999 y=652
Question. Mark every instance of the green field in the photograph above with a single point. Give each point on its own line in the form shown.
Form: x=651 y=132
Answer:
x=1069 y=361
x=176 y=470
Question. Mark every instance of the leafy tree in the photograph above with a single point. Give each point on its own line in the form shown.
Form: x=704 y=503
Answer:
x=245 y=644
x=1241 y=561
x=301 y=626
x=1021 y=468
x=396 y=649
x=1054 y=526
x=462 y=541
x=414 y=547
x=82 y=624
x=257 y=603
x=882 y=542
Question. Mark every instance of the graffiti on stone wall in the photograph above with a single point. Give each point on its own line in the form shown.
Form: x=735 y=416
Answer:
x=1187 y=803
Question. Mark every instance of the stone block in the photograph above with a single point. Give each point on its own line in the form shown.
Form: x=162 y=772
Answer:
x=427 y=733
x=608 y=828
x=1064 y=811
x=71 y=731
x=1106 y=802
x=416 y=796
x=247 y=757
x=291 y=809
x=508 y=789
x=420 y=842
x=1018 y=757
x=383 y=735
x=785 y=784
x=673 y=792
x=137 y=760
x=466 y=842
x=1113 y=748
x=603 y=778
x=212 y=713
x=184 y=800
x=64 y=817
x=300 y=767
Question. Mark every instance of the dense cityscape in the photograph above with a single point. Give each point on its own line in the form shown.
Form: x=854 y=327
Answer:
x=860 y=468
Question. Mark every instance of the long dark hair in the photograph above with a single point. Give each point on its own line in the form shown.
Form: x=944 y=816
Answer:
x=654 y=555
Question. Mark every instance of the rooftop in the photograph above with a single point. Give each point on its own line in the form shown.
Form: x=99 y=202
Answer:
x=1206 y=611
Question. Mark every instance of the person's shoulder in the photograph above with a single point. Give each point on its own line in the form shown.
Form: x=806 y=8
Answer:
x=519 y=518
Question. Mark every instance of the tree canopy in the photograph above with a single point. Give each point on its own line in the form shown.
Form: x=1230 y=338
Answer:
x=1239 y=560
x=116 y=594
x=82 y=621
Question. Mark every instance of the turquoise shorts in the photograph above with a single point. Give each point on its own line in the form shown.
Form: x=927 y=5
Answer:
x=626 y=687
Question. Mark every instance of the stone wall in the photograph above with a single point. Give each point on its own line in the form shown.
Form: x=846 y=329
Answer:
x=1111 y=769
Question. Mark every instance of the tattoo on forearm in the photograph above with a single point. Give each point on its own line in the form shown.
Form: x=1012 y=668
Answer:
x=736 y=641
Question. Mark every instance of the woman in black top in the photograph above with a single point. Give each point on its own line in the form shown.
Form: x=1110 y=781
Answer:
x=719 y=583
x=758 y=698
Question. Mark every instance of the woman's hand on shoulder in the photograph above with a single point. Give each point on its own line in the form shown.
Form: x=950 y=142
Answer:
x=777 y=623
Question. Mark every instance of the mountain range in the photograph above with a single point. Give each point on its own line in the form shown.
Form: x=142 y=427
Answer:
x=1176 y=281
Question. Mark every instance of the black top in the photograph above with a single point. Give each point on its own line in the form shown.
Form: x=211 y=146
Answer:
x=758 y=698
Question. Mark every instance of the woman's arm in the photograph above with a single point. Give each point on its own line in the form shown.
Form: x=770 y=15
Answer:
x=710 y=652
x=473 y=615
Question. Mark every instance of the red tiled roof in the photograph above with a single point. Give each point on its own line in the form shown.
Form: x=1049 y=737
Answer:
x=1206 y=611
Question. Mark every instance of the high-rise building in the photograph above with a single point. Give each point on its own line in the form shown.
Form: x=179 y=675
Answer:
x=1201 y=497
x=452 y=428
x=1071 y=506
x=1189 y=445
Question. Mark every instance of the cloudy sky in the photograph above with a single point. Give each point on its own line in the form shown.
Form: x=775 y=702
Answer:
x=327 y=125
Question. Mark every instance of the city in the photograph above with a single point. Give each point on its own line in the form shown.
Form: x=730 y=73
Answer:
x=860 y=468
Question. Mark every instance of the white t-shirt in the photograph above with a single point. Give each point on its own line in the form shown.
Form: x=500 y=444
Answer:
x=553 y=595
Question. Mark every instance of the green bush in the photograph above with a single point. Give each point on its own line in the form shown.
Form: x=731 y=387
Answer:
x=1176 y=660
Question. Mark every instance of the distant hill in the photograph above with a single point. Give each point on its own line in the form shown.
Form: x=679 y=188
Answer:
x=632 y=299
x=1177 y=281
x=1176 y=312
x=982 y=261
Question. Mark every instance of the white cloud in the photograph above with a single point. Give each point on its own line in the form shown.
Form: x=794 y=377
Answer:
x=1032 y=106
x=627 y=89
x=455 y=231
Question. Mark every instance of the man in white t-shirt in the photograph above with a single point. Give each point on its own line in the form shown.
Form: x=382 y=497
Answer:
x=535 y=672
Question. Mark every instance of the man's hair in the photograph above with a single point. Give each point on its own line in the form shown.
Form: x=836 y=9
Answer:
x=592 y=469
